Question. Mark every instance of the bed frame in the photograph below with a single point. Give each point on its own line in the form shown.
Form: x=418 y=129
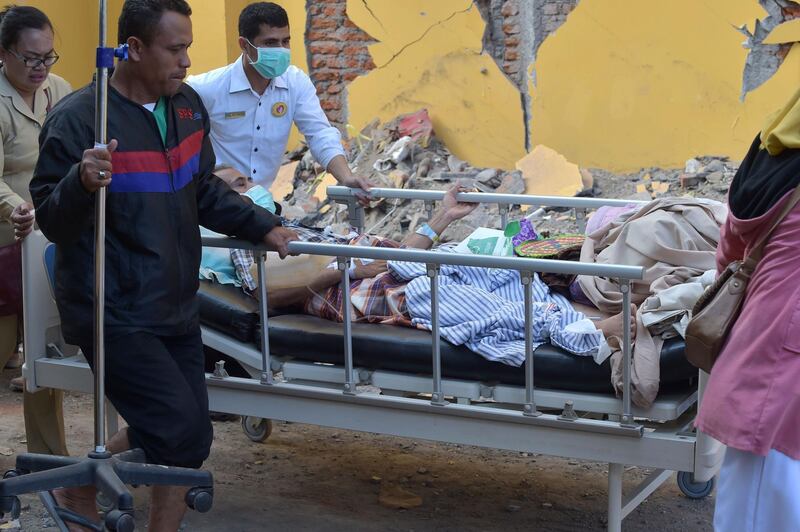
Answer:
x=596 y=427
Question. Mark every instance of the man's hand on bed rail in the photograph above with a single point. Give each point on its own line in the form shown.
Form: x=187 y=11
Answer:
x=278 y=240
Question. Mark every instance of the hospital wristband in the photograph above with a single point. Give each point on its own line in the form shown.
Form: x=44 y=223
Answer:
x=427 y=232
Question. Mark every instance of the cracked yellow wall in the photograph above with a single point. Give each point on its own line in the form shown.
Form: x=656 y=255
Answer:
x=624 y=85
x=429 y=55
x=76 y=25
x=650 y=88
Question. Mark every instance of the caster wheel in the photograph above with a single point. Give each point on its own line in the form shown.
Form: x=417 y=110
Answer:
x=120 y=521
x=103 y=504
x=200 y=499
x=256 y=428
x=11 y=507
x=692 y=489
x=13 y=473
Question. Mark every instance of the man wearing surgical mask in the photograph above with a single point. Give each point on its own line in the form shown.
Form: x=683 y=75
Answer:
x=253 y=102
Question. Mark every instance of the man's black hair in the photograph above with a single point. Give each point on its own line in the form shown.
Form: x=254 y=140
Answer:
x=254 y=15
x=140 y=18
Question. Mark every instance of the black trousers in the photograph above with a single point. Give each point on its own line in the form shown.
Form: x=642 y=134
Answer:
x=157 y=383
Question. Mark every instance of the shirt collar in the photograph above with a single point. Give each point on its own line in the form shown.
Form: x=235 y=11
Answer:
x=282 y=81
x=239 y=81
x=8 y=90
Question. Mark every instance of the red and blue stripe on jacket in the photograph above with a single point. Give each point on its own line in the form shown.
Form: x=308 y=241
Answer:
x=157 y=171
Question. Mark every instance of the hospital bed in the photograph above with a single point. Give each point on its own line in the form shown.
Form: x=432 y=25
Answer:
x=308 y=370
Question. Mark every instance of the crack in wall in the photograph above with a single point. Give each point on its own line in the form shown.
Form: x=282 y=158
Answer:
x=424 y=34
x=515 y=29
x=372 y=14
x=764 y=60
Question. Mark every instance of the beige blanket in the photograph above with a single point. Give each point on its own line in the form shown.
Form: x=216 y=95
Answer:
x=674 y=239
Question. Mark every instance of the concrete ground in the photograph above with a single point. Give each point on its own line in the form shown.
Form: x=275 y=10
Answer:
x=311 y=478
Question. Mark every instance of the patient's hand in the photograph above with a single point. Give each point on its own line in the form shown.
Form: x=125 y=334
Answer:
x=366 y=271
x=454 y=209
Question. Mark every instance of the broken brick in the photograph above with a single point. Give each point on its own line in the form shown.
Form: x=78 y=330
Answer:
x=510 y=8
x=324 y=48
x=689 y=181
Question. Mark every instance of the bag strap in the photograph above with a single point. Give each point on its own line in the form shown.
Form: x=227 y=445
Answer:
x=755 y=254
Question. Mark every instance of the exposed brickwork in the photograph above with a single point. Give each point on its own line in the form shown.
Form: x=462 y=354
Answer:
x=764 y=60
x=337 y=54
x=516 y=28
x=548 y=16
x=338 y=50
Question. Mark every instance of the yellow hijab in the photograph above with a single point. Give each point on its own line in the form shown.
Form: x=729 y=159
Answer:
x=782 y=129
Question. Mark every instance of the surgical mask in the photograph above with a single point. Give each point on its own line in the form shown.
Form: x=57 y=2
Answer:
x=271 y=62
x=261 y=197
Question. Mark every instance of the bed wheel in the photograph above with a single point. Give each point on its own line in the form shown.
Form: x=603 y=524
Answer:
x=256 y=428
x=103 y=503
x=694 y=490
x=10 y=506
x=118 y=521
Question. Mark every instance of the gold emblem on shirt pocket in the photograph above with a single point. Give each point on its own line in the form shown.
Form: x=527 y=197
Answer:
x=279 y=109
x=235 y=114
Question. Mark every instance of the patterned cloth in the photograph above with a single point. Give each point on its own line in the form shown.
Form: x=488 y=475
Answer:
x=484 y=309
x=380 y=299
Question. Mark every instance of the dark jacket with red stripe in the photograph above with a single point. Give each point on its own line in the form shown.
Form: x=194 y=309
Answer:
x=157 y=198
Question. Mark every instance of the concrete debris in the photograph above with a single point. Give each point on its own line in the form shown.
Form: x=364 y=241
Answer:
x=455 y=164
x=587 y=178
x=705 y=174
x=548 y=173
x=487 y=176
x=398 y=153
x=425 y=163
x=284 y=182
x=403 y=153
x=692 y=166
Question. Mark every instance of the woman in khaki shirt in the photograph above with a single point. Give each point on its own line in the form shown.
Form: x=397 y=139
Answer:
x=27 y=92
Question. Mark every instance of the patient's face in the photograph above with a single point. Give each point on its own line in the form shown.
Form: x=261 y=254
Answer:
x=235 y=179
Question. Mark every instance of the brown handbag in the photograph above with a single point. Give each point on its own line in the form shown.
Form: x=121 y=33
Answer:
x=11 y=279
x=717 y=309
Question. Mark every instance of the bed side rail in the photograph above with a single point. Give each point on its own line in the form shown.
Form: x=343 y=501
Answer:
x=580 y=206
x=433 y=260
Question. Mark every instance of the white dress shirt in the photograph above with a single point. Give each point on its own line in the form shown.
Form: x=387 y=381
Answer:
x=250 y=132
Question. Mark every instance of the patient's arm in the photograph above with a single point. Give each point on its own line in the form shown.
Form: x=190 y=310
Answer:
x=450 y=211
x=289 y=297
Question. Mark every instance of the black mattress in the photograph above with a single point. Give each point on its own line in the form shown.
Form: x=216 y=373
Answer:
x=393 y=348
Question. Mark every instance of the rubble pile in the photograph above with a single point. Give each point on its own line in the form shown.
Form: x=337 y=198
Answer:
x=709 y=176
x=405 y=153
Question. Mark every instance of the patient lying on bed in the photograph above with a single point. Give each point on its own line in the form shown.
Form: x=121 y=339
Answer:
x=479 y=307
